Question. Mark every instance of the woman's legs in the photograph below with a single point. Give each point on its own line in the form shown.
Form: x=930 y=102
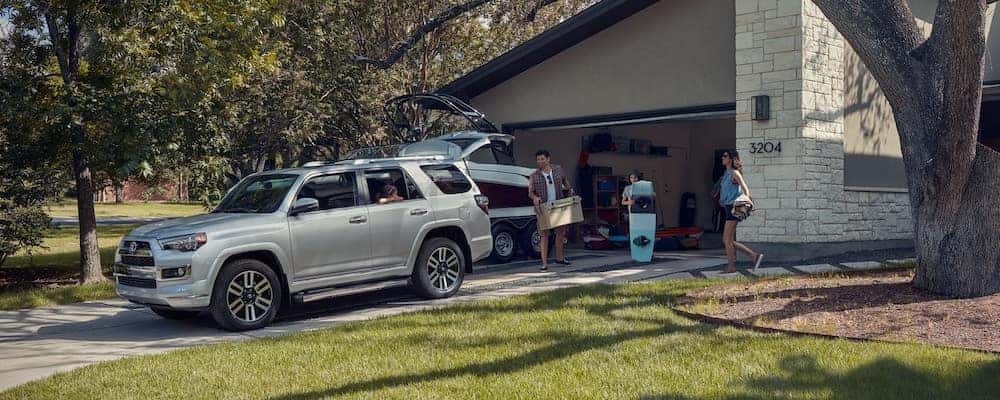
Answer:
x=728 y=241
x=731 y=245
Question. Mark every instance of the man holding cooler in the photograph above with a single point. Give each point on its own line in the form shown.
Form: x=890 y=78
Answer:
x=547 y=184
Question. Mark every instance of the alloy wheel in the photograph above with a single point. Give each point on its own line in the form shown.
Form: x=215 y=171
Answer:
x=443 y=269
x=249 y=296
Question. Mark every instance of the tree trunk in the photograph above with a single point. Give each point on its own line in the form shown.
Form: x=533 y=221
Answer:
x=67 y=49
x=90 y=255
x=958 y=256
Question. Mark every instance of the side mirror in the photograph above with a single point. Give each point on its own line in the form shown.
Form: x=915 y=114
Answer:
x=304 y=205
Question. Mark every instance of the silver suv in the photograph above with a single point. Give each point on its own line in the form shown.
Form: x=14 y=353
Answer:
x=298 y=235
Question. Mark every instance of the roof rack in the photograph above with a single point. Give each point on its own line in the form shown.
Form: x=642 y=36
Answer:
x=360 y=161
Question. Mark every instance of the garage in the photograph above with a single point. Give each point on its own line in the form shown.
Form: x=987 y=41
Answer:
x=621 y=87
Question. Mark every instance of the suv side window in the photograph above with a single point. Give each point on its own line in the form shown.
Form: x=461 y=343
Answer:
x=448 y=178
x=390 y=186
x=332 y=191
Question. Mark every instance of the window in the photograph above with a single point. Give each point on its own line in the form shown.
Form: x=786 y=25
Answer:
x=483 y=156
x=503 y=154
x=331 y=191
x=390 y=186
x=448 y=178
x=257 y=194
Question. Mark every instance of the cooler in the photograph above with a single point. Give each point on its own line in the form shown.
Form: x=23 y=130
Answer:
x=560 y=213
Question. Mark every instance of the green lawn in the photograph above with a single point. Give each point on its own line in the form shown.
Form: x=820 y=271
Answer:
x=153 y=209
x=590 y=342
x=59 y=263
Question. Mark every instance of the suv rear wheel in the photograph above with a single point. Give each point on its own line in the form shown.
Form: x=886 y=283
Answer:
x=440 y=268
x=246 y=296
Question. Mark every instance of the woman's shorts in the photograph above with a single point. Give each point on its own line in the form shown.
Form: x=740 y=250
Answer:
x=729 y=213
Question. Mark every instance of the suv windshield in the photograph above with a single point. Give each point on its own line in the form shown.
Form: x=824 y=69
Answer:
x=259 y=194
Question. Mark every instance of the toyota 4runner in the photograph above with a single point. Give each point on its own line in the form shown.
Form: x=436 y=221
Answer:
x=304 y=234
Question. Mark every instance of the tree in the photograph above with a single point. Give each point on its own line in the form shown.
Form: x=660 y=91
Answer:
x=934 y=85
x=112 y=82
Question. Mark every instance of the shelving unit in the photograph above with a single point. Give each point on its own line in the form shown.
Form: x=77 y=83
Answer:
x=607 y=198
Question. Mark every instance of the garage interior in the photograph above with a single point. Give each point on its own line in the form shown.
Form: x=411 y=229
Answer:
x=679 y=155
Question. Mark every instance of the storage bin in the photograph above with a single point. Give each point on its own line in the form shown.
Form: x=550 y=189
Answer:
x=560 y=213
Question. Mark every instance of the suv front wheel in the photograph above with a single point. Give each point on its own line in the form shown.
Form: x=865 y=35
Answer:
x=246 y=296
x=440 y=269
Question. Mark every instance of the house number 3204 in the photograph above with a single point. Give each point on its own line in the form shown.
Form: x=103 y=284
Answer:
x=765 y=147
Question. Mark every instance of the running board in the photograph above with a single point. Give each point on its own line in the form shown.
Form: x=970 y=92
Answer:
x=319 y=294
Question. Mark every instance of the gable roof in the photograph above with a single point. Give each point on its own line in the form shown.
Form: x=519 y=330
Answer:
x=553 y=41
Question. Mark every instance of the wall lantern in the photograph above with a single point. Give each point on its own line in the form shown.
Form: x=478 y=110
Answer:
x=761 y=108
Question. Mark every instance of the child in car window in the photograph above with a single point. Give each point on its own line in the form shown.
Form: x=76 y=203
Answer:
x=389 y=194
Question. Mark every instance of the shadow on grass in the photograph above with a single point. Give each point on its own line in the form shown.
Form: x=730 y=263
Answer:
x=883 y=378
x=566 y=343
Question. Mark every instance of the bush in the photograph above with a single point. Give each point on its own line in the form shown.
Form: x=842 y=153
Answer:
x=21 y=228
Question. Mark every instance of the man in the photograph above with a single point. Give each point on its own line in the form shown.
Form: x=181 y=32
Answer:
x=549 y=183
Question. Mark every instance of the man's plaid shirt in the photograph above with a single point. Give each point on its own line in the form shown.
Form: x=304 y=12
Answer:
x=537 y=185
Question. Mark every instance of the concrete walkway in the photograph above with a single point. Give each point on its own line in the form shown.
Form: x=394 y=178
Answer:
x=36 y=343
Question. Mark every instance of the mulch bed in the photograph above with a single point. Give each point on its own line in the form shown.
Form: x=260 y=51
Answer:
x=881 y=306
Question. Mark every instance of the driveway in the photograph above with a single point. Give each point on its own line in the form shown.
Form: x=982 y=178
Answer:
x=37 y=343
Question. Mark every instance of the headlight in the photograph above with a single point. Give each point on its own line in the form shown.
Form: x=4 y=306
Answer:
x=184 y=243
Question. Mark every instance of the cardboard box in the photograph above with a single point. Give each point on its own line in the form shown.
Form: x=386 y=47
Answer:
x=560 y=213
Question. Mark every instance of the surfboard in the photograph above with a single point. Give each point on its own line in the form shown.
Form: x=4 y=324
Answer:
x=642 y=221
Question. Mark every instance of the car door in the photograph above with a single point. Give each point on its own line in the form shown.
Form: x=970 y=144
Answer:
x=395 y=220
x=337 y=237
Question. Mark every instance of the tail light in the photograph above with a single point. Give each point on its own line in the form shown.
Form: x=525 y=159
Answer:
x=483 y=202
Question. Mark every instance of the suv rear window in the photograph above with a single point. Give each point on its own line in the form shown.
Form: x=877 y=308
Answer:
x=448 y=178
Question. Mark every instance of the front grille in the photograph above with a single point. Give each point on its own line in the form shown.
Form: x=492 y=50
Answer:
x=140 y=247
x=138 y=261
x=144 y=283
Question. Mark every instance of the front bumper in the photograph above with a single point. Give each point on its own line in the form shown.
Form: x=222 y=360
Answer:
x=186 y=296
x=140 y=277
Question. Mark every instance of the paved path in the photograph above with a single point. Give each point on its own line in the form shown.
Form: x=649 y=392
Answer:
x=36 y=343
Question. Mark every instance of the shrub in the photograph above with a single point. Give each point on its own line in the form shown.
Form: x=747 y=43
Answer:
x=21 y=228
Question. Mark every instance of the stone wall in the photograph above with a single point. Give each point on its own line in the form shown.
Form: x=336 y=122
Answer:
x=788 y=50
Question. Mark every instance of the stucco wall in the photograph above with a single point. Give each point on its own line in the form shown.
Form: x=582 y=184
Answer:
x=689 y=169
x=671 y=54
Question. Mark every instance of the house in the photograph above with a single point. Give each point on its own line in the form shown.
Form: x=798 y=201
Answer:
x=770 y=78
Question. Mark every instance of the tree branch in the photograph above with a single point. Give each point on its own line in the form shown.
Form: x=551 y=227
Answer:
x=402 y=47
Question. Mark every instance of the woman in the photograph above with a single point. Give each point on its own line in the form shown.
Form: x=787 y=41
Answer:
x=731 y=186
x=633 y=177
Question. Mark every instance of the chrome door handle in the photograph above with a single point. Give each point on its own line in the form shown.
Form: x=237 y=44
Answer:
x=419 y=211
x=359 y=219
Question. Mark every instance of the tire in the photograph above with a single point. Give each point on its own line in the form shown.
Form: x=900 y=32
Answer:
x=440 y=269
x=170 y=313
x=531 y=241
x=265 y=296
x=505 y=243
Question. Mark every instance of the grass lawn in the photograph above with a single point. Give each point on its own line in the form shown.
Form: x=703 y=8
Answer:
x=590 y=342
x=153 y=209
x=58 y=265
